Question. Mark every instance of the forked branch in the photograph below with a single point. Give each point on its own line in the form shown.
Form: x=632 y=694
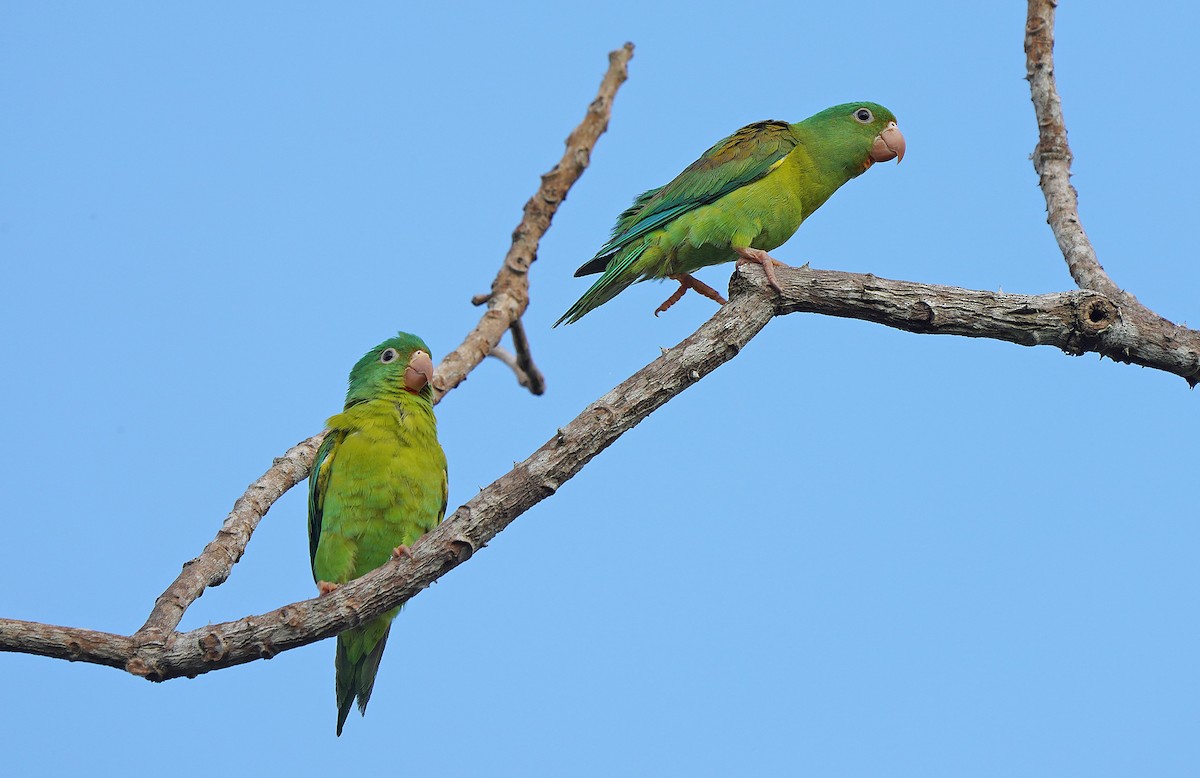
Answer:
x=1139 y=335
x=1099 y=318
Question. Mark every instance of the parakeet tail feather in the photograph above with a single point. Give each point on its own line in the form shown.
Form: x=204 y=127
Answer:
x=615 y=280
x=355 y=679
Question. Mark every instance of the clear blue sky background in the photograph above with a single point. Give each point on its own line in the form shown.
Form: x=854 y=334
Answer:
x=851 y=551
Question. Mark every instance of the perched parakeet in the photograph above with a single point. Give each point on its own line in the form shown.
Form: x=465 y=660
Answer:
x=378 y=483
x=744 y=197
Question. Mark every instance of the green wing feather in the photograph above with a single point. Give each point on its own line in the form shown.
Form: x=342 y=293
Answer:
x=628 y=217
x=318 y=482
x=614 y=281
x=752 y=190
x=741 y=159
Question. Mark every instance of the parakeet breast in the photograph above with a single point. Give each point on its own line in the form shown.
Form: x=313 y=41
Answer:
x=385 y=491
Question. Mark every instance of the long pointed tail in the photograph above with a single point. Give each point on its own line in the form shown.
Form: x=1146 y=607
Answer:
x=356 y=663
x=618 y=277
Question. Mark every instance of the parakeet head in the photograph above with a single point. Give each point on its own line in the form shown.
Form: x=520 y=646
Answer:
x=860 y=134
x=396 y=366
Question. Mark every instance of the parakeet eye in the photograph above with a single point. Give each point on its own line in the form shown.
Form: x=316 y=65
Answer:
x=864 y=115
x=389 y=355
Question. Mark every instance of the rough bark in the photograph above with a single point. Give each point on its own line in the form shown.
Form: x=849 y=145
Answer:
x=1099 y=317
x=506 y=304
x=510 y=291
x=1071 y=321
x=1139 y=335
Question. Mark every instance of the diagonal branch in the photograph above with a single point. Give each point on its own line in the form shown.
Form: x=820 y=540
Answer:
x=510 y=291
x=215 y=563
x=1075 y=321
x=455 y=540
x=521 y=363
x=508 y=301
x=1098 y=318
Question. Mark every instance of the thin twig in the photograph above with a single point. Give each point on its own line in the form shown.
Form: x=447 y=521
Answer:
x=535 y=381
x=521 y=363
x=510 y=359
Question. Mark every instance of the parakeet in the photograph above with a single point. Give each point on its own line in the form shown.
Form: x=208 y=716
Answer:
x=744 y=197
x=378 y=483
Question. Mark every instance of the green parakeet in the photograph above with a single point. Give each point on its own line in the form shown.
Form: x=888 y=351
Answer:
x=744 y=197
x=378 y=483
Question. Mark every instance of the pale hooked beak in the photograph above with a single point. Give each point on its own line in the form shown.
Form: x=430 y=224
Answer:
x=888 y=144
x=419 y=372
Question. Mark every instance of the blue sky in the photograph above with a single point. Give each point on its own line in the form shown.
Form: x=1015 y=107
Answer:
x=851 y=551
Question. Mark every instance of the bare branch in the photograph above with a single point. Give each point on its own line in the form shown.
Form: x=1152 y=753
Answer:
x=1142 y=336
x=475 y=523
x=536 y=381
x=510 y=359
x=1052 y=156
x=1071 y=321
x=508 y=301
x=510 y=291
x=521 y=363
x=215 y=563
x=70 y=643
x=1076 y=322
x=1098 y=318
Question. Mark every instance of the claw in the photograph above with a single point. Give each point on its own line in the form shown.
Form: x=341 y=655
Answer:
x=325 y=587
x=760 y=257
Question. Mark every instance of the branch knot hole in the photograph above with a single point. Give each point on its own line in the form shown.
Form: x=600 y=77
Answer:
x=923 y=313
x=1097 y=314
x=212 y=648
x=462 y=548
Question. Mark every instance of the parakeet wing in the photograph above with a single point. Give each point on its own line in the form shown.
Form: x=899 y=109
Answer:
x=318 y=481
x=742 y=158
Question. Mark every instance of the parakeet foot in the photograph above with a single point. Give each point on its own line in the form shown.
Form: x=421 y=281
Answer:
x=325 y=587
x=401 y=551
x=686 y=282
x=760 y=257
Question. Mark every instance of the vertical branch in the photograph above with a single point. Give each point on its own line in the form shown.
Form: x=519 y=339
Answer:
x=1052 y=156
x=1162 y=341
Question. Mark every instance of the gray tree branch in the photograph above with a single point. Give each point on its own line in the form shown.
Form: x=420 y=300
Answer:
x=1139 y=335
x=1097 y=318
x=506 y=304
x=1072 y=321
x=510 y=291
